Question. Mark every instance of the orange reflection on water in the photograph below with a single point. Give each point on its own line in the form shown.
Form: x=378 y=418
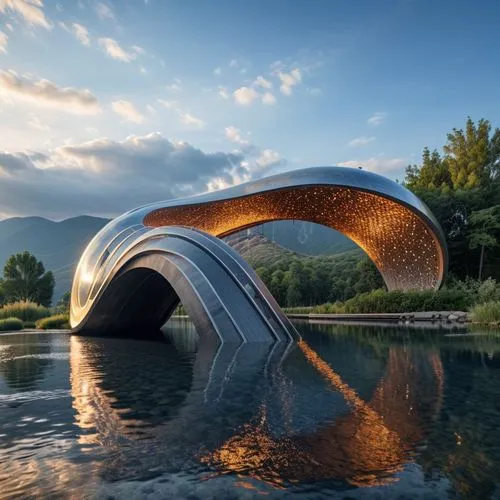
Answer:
x=358 y=447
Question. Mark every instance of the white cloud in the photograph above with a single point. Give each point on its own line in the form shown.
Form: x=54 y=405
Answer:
x=3 y=42
x=260 y=81
x=377 y=118
x=31 y=11
x=143 y=70
x=268 y=158
x=175 y=87
x=128 y=111
x=234 y=135
x=315 y=91
x=361 y=141
x=233 y=63
x=380 y=165
x=35 y=123
x=79 y=31
x=189 y=119
x=138 y=50
x=218 y=71
x=269 y=98
x=9 y=27
x=223 y=92
x=104 y=11
x=168 y=104
x=244 y=96
x=114 y=50
x=289 y=80
x=47 y=93
x=150 y=109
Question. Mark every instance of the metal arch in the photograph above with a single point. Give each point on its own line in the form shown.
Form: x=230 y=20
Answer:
x=394 y=227
x=226 y=300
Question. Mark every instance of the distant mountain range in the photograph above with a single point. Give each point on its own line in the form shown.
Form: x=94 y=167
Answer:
x=59 y=244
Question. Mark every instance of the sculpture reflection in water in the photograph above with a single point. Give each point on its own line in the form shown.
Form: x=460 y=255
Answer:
x=233 y=410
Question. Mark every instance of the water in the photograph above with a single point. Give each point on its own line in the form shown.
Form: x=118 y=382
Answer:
x=351 y=412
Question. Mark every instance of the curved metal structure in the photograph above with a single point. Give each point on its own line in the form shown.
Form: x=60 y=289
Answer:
x=396 y=230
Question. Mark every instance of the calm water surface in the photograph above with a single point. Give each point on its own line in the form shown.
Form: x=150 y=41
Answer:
x=350 y=412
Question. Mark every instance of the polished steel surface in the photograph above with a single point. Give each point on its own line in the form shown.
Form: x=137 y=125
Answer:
x=394 y=228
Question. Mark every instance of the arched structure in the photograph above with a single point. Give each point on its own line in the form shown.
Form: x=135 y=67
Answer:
x=395 y=229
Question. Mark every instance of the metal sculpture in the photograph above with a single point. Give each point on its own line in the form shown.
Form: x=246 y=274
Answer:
x=135 y=269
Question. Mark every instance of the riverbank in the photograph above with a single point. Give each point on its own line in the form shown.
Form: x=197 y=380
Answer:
x=410 y=317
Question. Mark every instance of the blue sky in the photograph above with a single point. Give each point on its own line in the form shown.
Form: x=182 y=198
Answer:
x=106 y=105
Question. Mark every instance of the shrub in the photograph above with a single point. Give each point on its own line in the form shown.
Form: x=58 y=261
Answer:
x=25 y=311
x=10 y=324
x=381 y=301
x=489 y=312
x=59 y=321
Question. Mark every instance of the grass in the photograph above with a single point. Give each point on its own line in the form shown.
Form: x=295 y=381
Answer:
x=27 y=312
x=57 y=322
x=489 y=312
x=10 y=324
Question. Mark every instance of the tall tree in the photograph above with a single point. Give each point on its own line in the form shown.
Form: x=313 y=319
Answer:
x=484 y=231
x=24 y=278
x=472 y=156
x=432 y=174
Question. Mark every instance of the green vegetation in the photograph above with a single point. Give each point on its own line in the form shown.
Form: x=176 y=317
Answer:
x=59 y=321
x=25 y=279
x=489 y=312
x=10 y=324
x=27 y=312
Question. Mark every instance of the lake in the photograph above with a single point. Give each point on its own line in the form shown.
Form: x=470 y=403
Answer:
x=352 y=411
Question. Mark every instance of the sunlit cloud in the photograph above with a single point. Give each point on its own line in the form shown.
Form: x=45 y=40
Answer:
x=114 y=50
x=377 y=118
x=30 y=11
x=79 y=31
x=47 y=93
x=128 y=111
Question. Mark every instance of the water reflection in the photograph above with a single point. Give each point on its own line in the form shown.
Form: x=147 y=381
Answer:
x=357 y=408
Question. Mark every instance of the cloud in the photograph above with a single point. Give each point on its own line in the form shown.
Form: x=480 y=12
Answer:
x=114 y=50
x=380 y=165
x=269 y=98
x=9 y=27
x=168 y=104
x=189 y=119
x=150 y=109
x=244 y=96
x=377 y=118
x=35 y=123
x=218 y=71
x=3 y=42
x=138 y=50
x=128 y=111
x=175 y=87
x=31 y=11
x=223 y=92
x=234 y=135
x=47 y=93
x=260 y=81
x=78 y=179
x=268 y=158
x=104 y=11
x=361 y=141
x=289 y=80
x=79 y=31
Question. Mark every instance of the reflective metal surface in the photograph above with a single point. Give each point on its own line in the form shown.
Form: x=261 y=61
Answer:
x=395 y=229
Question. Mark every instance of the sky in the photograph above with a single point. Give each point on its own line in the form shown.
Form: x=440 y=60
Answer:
x=105 y=106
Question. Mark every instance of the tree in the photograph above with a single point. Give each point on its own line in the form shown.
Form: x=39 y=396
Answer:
x=64 y=302
x=484 y=227
x=24 y=278
x=433 y=174
x=472 y=156
x=2 y=294
x=369 y=276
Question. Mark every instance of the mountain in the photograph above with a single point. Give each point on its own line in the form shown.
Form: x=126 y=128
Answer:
x=59 y=244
